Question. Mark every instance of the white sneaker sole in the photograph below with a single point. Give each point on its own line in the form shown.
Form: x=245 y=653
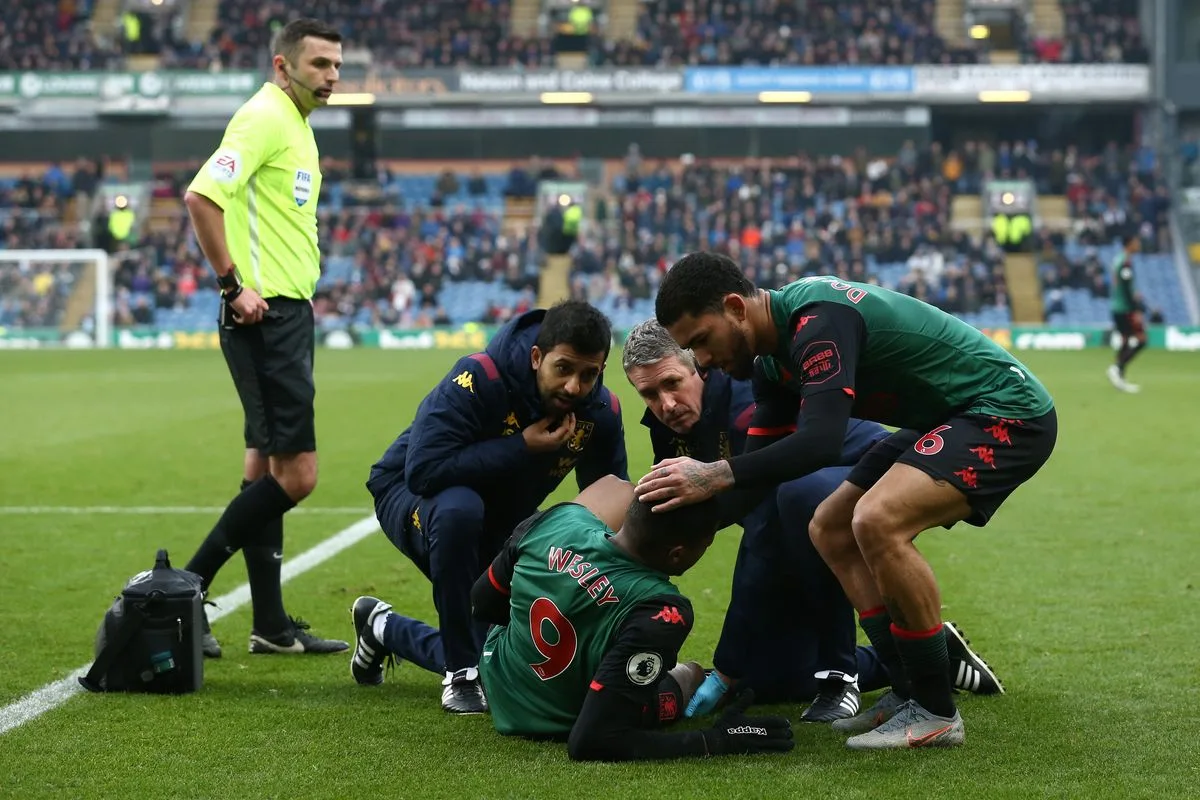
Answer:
x=260 y=646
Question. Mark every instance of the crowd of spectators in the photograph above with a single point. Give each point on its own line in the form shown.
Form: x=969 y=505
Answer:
x=41 y=34
x=1094 y=31
x=1088 y=272
x=447 y=33
x=1108 y=192
x=865 y=218
x=389 y=259
x=385 y=261
x=34 y=295
x=60 y=35
x=32 y=210
x=399 y=33
x=861 y=217
x=694 y=32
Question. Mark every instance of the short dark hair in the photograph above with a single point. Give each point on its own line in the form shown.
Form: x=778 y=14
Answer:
x=696 y=285
x=578 y=325
x=654 y=533
x=1129 y=237
x=288 y=40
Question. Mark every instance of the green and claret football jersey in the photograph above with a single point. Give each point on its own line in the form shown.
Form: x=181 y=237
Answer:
x=918 y=365
x=571 y=590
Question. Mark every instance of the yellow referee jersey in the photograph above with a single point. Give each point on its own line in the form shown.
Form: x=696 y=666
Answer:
x=266 y=177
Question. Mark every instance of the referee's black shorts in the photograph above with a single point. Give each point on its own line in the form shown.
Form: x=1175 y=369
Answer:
x=272 y=368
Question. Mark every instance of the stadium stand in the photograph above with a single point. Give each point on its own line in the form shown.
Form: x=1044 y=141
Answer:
x=870 y=219
x=1108 y=193
x=65 y=34
x=46 y=35
x=37 y=205
x=439 y=33
x=447 y=33
x=432 y=246
x=423 y=244
x=783 y=32
x=1102 y=31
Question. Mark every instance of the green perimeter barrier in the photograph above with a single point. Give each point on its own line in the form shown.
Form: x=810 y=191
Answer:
x=475 y=337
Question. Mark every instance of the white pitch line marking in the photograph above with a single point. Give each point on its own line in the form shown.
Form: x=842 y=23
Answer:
x=53 y=695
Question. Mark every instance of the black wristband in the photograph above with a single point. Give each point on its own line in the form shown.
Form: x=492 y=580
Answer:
x=230 y=281
x=232 y=294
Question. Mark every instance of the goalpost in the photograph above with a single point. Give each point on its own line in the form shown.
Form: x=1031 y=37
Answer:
x=18 y=267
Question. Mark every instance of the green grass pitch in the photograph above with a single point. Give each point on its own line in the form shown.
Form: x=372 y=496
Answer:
x=1082 y=594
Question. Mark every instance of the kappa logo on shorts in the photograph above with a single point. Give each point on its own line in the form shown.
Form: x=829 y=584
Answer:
x=969 y=477
x=643 y=668
x=986 y=454
x=1000 y=433
x=302 y=187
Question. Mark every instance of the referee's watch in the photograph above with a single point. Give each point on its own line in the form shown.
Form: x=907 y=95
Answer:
x=230 y=284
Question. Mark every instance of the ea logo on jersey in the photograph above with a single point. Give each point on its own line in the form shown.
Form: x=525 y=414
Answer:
x=302 y=187
x=643 y=668
x=226 y=165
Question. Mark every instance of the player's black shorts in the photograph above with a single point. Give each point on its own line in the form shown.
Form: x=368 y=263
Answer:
x=985 y=457
x=1129 y=324
x=272 y=368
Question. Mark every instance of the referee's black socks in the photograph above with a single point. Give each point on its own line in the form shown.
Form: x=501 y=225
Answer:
x=244 y=522
x=264 y=564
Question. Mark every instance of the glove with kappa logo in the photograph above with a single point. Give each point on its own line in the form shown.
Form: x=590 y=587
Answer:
x=735 y=733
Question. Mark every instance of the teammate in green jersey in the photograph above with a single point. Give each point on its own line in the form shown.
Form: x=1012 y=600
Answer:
x=1126 y=313
x=974 y=425
x=588 y=630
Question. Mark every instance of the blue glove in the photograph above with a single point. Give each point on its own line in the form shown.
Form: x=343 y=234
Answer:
x=707 y=696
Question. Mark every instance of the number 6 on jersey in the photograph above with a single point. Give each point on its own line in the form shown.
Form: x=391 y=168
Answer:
x=560 y=653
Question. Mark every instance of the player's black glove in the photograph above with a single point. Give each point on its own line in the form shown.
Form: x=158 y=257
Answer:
x=735 y=733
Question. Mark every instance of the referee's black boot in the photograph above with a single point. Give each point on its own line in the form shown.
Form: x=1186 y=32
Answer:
x=462 y=692
x=296 y=639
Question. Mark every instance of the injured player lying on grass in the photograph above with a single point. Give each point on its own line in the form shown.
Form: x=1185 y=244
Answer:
x=587 y=631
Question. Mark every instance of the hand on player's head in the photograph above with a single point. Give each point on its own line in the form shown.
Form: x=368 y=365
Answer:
x=673 y=541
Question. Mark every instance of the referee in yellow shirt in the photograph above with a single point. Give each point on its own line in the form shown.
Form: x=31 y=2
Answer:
x=253 y=206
